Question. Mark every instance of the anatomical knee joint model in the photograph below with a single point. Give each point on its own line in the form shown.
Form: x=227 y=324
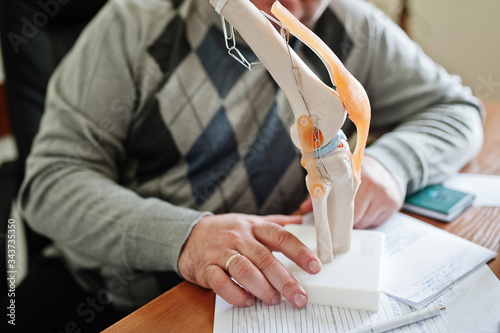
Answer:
x=333 y=173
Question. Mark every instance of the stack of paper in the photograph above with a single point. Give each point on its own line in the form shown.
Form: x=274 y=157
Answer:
x=421 y=264
x=471 y=306
x=421 y=261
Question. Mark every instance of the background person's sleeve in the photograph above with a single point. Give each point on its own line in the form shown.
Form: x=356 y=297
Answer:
x=71 y=191
x=432 y=122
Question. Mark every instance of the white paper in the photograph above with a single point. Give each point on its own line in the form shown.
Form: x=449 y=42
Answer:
x=421 y=261
x=471 y=306
x=485 y=187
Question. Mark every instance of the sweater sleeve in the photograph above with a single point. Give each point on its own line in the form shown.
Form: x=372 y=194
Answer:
x=432 y=123
x=72 y=191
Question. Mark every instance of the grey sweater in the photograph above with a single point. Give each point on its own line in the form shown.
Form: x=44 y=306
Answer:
x=149 y=125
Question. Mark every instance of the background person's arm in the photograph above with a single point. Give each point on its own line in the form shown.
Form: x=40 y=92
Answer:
x=72 y=190
x=432 y=123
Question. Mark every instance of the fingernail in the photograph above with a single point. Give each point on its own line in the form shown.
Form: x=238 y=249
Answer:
x=250 y=302
x=300 y=300
x=314 y=266
x=276 y=299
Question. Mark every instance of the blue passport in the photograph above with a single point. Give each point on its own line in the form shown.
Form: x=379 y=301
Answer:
x=438 y=202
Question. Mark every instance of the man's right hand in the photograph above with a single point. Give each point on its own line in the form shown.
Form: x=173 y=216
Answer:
x=219 y=239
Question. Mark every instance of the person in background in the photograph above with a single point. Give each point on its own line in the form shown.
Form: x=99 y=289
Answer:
x=159 y=156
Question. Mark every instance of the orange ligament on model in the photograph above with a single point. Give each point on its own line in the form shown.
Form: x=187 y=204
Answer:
x=306 y=130
x=351 y=92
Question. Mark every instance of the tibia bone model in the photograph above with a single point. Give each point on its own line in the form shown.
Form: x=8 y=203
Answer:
x=333 y=174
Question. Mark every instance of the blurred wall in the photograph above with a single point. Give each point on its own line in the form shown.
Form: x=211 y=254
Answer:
x=462 y=36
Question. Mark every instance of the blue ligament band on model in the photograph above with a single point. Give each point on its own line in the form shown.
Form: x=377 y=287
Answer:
x=333 y=144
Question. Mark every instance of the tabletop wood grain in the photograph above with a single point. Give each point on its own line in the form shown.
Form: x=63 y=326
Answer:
x=189 y=308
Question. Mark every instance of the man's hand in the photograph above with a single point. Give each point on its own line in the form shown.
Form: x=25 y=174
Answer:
x=216 y=242
x=378 y=196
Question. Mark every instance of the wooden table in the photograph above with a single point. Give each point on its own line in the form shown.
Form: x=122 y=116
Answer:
x=189 y=308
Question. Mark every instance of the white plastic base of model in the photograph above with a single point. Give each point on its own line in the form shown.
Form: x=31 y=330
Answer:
x=351 y=280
